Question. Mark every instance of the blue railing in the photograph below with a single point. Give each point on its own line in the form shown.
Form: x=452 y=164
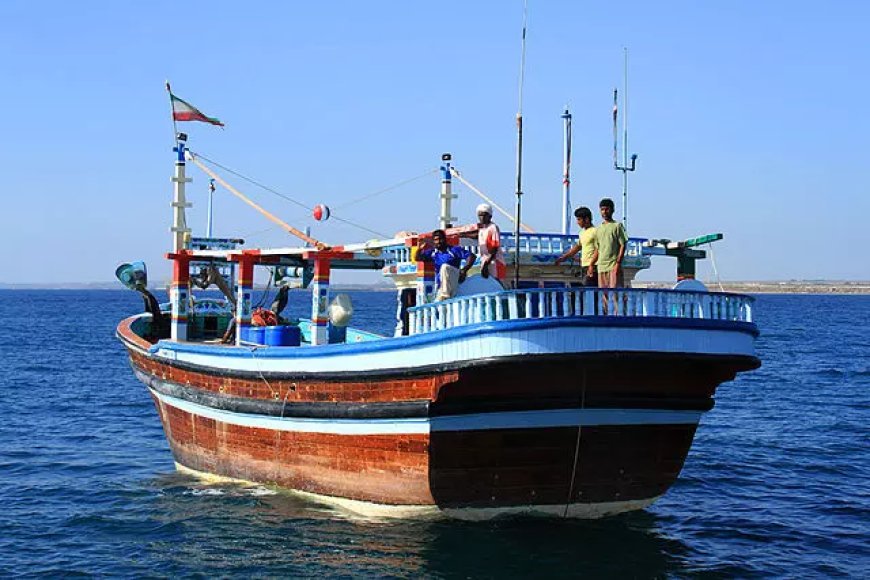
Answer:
x=578 y=302
x=547 y=246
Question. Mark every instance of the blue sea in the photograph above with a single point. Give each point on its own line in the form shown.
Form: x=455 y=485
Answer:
x=777 y=483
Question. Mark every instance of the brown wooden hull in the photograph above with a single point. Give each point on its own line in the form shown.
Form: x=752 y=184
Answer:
x=476 y=468
x=470 y=469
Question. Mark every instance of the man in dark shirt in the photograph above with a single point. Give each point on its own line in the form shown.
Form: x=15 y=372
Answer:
x=449 y=272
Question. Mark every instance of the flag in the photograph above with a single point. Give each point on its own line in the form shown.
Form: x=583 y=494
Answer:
x=184 y=111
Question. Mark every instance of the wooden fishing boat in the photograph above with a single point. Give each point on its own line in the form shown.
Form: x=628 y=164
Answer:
x=541 y=397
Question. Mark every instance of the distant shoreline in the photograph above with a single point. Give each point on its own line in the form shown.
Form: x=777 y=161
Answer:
x=773 y=287
x=117 y=286
x=790 y=287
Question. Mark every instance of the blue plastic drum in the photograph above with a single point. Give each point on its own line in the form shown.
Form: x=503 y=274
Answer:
x=283 y=335
x=255 y=334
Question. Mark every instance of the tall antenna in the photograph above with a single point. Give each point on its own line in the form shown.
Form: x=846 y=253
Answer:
x=625 y=167
x=208 y=231
x=566 y=176
x=517 y=221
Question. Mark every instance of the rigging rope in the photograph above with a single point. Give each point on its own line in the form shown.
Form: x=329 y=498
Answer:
x=455 y=173
x=252 y=181
x=290 y=229
x=309 y=208
x=576 y=447
x=386 y=189
x=715 y=269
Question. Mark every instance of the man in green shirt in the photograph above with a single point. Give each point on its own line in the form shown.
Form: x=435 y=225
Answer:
x=585 y=243
x=611 y=239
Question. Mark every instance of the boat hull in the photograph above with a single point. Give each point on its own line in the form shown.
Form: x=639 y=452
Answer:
x=581 y=434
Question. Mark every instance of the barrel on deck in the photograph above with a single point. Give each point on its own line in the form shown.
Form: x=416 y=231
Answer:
x=255 y=334
x=283 y=335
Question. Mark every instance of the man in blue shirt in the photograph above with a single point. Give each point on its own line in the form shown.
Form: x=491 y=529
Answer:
x=449 y=272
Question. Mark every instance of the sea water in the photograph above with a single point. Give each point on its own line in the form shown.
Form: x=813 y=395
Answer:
x=777 y=482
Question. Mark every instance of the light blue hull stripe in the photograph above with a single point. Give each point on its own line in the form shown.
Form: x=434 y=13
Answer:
x=470 y=422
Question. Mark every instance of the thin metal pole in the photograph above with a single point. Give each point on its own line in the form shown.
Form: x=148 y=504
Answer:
x=208 y=231
x=518 y=218
x=172 y=114
x=566 y=176
x=625 y=142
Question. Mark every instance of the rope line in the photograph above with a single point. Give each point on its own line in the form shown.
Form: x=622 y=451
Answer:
x=715 y=269
x=455 y=173
x=361 y=227
x=299 y=203
x=576 y=447
x=254 y=182
x=386 y=189
x=275 y=394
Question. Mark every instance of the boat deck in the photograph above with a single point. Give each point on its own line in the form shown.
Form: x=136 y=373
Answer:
x=593 y=305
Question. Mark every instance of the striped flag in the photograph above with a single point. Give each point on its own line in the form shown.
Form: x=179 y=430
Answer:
x=184 y=111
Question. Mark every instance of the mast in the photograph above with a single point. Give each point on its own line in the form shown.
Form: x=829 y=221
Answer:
x=625 y=167
x=566 y=176
x=447 y=197
x=518 y=212
x=180 y=231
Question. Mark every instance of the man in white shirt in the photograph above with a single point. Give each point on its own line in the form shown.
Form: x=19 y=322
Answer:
x=489 y=245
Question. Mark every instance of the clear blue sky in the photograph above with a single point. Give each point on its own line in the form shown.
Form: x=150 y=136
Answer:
x=749 y=118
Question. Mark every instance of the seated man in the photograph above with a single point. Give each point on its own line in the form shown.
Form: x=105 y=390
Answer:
x=447 y=260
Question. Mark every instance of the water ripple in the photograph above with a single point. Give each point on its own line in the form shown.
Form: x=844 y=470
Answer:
x=777 y=482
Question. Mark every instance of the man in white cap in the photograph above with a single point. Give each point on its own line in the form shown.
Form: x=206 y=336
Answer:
x=489 y=244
